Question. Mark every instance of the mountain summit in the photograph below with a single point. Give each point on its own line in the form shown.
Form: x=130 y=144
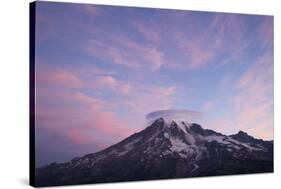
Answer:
x=165 y=149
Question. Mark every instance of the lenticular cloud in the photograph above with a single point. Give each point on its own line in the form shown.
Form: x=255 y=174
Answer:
x=176 y=115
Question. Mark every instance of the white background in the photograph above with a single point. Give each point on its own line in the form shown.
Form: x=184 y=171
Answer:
x=14 y=103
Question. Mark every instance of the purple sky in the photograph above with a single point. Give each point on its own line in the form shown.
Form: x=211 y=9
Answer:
x=101 y=69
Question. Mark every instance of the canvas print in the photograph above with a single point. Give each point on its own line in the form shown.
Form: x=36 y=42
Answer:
x=128 y=94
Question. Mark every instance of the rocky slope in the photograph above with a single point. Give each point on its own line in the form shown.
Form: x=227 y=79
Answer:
x=165 y=149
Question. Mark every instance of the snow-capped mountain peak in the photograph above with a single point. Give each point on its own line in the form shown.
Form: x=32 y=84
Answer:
x=188 y=134
x=167 y=147
x=177 y=116
x=183 y=125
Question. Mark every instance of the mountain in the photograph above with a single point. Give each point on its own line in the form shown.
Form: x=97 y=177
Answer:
x=165 y=149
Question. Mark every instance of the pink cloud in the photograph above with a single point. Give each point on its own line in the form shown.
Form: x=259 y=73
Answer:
x=148 y=32
x=194 y=53
x=249 y=103
x=125 y=89
x=52 y=26
x=266 y=31
x=80 y=118
x=90 y=10
x=126 y=52
x=224 y=34
x=111 y=83
x=56 y=77
x=147 y=98
x=72 y=79
x=107 y=81
x=79 y=138
x=254 y=99
x=199 y=57
x=209 y=106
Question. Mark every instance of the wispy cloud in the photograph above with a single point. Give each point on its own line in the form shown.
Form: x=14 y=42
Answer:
x=266 y=32
x=80 y=118
x=90 y=10
x=148 y=31
x=80 y=78
x=221 y=41
x=109 y=82
x=100 y=70
x=126 y=52
x=254 y=99
x=249 y=103
x=246 y=100
x=146 y=98
x=49 y=75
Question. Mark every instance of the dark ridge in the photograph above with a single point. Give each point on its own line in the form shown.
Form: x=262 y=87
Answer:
x=243 y=137
x=150 y=157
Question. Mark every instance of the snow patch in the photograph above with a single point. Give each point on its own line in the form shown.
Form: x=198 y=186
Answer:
x=219 y=139
x=230 y=142
x=229 y=149
x=184 y=150
x=166 y=135
x=128 y=147
x=178 y=145
x=166 y=152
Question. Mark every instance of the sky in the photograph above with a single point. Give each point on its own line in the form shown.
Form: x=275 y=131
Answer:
x=101 y=69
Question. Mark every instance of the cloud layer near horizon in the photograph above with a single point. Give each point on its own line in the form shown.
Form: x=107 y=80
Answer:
x=101 y=69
